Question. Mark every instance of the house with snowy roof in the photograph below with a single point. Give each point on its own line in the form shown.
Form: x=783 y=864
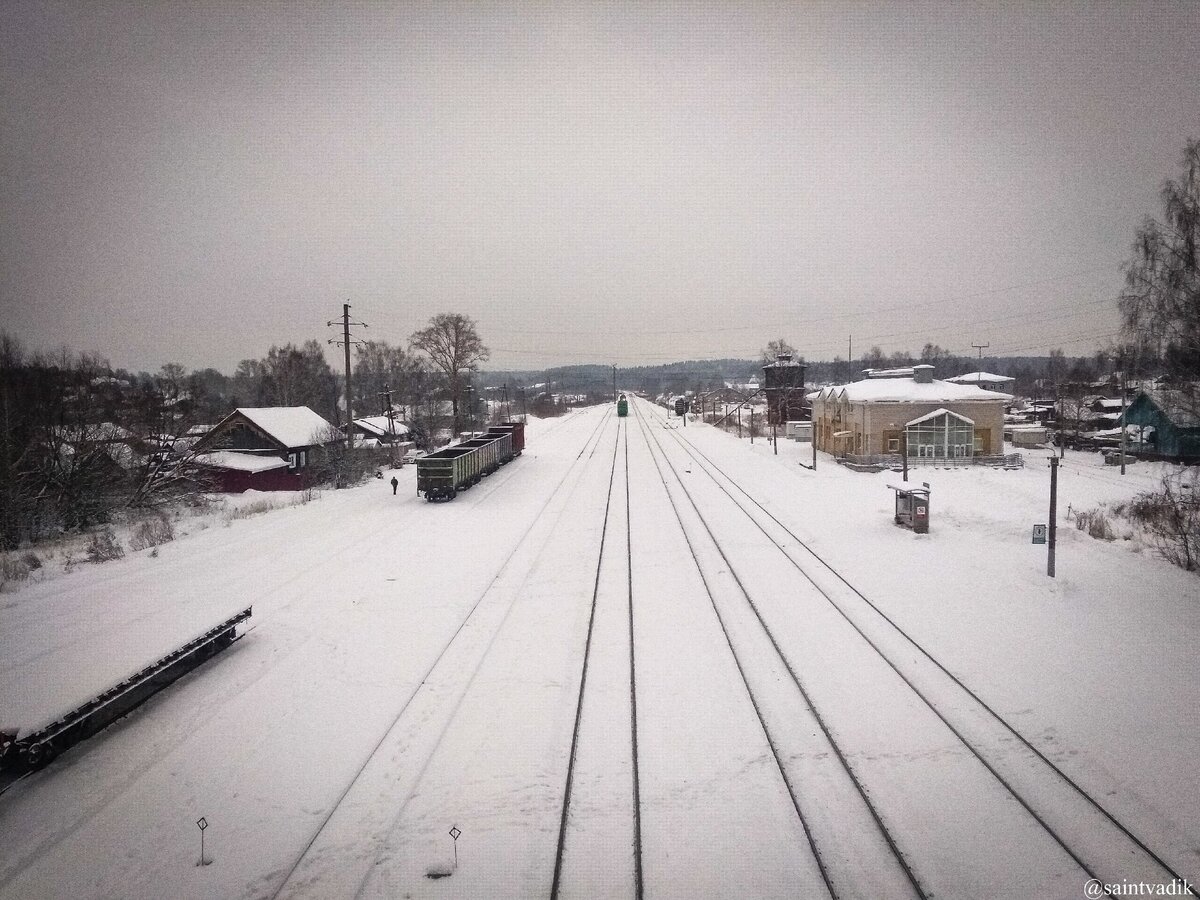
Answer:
x=986 y=380
x=933 y=419
x=1168 y=421
x=381 y=429
x=264 y=448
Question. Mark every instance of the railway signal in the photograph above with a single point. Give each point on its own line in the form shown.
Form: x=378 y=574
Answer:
x=202 y=824
x=454 y=834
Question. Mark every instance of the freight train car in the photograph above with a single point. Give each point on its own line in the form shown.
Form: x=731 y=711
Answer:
x=443 y=473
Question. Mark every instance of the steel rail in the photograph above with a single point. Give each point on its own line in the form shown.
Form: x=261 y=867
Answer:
x=702 y=459
x=633 y=728
x=776 y=754
x=559 y=853
x=431 y=668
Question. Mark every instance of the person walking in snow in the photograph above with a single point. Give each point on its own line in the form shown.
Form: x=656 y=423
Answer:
x=395 y=484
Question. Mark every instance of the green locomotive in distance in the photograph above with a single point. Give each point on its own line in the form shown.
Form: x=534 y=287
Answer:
x=622 y=406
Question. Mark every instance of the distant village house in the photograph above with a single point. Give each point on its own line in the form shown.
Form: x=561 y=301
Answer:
x=264 y=449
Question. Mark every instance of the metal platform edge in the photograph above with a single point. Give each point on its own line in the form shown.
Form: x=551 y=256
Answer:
x=34 y=750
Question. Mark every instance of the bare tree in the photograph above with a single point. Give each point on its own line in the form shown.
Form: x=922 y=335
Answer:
x=874 y=359
x=776 y=348
x=1160 y=305
x=378 y=366
x=453 y=345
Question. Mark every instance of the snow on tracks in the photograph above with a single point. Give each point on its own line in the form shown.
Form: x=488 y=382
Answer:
x=886 y=701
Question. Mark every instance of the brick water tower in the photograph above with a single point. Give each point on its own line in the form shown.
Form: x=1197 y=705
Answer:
x=785 y=391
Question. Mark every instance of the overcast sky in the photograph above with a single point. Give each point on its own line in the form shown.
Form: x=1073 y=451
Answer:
x=612 y=183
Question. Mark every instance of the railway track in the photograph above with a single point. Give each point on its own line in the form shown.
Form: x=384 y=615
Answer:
x=438 y=697
x=91 y=804
x=582 y=696
x=744 y=663
x=1092 y=837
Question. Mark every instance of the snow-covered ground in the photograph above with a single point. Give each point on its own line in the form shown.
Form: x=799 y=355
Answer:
x=414 y=666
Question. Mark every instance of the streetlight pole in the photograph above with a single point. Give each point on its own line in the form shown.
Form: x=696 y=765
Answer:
x=471 y=408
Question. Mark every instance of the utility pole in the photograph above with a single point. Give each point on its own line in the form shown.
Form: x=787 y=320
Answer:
x=980 y=348
x=850 y=360
x=345 y=342
x=1053 y=514
x=614 y=383
x=386 y=393
x=1123 y=426
x=471 y=407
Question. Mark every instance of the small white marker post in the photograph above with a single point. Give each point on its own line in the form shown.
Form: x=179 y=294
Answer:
x=454 y=833
x=202 y=823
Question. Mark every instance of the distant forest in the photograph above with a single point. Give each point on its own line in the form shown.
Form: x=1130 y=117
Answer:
x=1035 y=376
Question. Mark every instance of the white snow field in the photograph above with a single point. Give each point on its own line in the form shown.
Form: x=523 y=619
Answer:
x=907 y=716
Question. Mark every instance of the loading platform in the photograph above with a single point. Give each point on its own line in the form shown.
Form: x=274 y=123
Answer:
x=21 y=752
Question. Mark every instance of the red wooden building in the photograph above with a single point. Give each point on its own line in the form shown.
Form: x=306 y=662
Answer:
x=264 y=449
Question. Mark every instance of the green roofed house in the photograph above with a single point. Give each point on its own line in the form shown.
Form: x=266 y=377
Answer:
x=1168 y=421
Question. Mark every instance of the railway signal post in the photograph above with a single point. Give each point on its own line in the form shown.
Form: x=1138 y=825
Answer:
x=202 y=824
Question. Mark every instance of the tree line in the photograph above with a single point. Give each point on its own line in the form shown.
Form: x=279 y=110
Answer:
x=82 y=440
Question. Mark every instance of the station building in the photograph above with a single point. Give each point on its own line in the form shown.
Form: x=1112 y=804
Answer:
x=909 y=408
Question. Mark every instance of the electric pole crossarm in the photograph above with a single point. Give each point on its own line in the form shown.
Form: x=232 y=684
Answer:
x=345 y=343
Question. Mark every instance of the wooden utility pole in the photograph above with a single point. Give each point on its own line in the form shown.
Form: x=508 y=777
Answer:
x=391 y=417
x=1053 y=514
x=1123 y=426
x=346 y=342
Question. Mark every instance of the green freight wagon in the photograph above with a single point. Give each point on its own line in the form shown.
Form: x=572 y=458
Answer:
x=442 y=474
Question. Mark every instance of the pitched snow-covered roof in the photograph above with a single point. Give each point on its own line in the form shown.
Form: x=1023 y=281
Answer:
x=905 y=390
x=980 y=378
x=239 y=462
x=292 y=426
x=379 y=425
x=1181 y=407
x=935 y=414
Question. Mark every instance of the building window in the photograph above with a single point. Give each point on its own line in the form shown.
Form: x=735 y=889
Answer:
x=292 y=462
x=943 y=436
x=893 y=445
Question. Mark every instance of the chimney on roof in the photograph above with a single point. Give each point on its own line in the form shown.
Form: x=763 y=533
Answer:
x=783 y=357
x=923 y=374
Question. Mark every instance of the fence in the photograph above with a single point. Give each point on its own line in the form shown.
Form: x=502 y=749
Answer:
x=880 y=461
